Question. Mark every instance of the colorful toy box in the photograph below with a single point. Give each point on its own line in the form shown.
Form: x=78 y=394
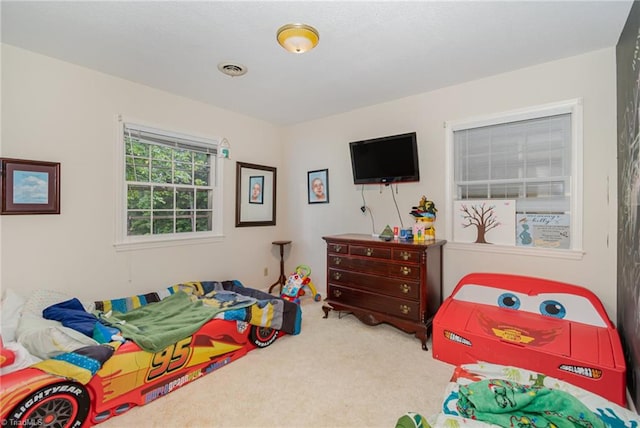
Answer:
x=554 y=328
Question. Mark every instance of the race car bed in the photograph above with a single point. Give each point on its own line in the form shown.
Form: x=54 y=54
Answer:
x=554 y=328
x=70 y=367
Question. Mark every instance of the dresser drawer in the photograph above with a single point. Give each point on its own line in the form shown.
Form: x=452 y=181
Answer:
x=398 y=270
x=376 y=284
x=373 y=252
x=407 y=256
x=406 y=309
x=338 y=248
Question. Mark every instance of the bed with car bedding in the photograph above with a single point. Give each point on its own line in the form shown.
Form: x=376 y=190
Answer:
x=65 y=363
x=528 y=352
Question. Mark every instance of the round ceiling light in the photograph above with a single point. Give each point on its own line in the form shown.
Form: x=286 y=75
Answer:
x=298 y=38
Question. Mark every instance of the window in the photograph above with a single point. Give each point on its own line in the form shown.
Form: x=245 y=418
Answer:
x=532 y=157
x=169 y=186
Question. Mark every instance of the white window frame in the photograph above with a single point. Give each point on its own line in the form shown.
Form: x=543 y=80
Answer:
x=573 y=107
x=123 y=242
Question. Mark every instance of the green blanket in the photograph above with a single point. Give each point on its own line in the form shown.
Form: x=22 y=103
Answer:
x=154 y=327
x=509 y=404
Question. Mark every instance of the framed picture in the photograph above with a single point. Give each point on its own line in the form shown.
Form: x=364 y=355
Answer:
x=256 y=183
x=318 y=186
x=29 y=187
x=255 y=195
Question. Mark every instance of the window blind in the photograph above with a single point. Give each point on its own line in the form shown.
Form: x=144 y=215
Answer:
x=527 y=160
x=148 y=135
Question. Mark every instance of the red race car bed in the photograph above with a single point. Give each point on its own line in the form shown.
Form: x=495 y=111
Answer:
x=96 y=382
x=558 y=329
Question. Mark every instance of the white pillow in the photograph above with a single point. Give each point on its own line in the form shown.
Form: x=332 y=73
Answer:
x=41 y=299
x=47 y=338
x=11 y=309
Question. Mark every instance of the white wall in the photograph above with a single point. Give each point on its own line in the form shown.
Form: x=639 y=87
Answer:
x=324 y=144
x=56 y=111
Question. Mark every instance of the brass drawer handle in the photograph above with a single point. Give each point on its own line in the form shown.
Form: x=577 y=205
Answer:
x=405 y=270
x=405 y=309
x=338 y=248
x=405 y=288
x=369 y=252
x=337 y=261
x=405 y=255
x=337 y=276
x=337 y=293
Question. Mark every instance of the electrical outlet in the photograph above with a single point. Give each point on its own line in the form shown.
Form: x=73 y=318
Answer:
x=266 y=271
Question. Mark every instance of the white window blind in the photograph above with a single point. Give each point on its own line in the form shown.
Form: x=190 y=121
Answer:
x=528 y=160
x=148 y=135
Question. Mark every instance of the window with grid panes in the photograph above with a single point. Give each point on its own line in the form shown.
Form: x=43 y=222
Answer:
x=169 y=182
x=531 y=156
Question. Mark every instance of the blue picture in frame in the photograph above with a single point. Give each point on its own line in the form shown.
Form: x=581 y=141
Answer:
x=29 y=187
x=318 y=186
x=256 y=186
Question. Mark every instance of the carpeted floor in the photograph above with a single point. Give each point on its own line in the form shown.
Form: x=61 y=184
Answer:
x=337 y=372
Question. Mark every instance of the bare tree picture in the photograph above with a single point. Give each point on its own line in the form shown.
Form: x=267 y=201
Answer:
x=482 y=216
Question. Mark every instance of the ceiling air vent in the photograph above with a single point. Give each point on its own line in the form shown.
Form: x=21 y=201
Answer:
x=231 y=69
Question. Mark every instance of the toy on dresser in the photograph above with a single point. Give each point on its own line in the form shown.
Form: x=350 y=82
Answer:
x=297 y=282
x=425 y=216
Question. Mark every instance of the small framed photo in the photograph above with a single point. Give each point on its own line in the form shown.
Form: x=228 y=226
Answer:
x=256 y=184
x=318 y=186
x=255 y=195
x=29 y=187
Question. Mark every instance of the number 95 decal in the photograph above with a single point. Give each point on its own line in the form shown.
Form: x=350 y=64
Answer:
x=170 y=359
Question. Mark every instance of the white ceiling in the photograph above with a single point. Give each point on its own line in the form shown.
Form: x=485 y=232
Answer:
x=369 y=51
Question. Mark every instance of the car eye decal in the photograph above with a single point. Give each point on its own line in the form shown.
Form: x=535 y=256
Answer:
x=553 y=308
x=509 y=300
x=558 y=306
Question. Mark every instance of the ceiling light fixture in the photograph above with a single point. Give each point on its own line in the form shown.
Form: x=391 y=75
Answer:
x=298 y=38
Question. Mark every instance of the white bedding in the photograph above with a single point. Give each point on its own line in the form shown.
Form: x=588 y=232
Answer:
x=22 y=360
x=30 y=336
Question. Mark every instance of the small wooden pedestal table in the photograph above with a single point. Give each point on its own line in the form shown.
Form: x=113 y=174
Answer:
x=282 y=279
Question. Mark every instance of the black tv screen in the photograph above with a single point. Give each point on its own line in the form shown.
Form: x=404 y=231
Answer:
x=385 y=160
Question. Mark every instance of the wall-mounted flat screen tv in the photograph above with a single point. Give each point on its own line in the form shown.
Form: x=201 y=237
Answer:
x=385 y=160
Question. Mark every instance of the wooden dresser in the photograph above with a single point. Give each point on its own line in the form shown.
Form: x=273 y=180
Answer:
x=397 y=282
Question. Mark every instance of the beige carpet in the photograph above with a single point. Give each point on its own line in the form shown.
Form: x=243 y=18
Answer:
x=335 y=373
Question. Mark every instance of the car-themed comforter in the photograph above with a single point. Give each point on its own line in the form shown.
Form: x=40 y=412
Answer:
x=265 y=310
x=170 y=318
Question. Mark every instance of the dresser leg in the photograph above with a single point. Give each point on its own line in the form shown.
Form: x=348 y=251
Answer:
x=423 y=336
x=326 y=309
